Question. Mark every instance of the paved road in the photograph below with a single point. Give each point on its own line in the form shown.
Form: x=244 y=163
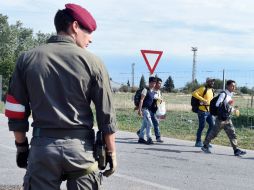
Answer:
x=173 y=165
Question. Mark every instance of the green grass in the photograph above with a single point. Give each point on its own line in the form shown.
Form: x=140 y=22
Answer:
x=182 y=125
x=180 y=122
x=1 y=107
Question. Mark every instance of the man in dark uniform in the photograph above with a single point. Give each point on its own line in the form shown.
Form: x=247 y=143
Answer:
x=57 y=82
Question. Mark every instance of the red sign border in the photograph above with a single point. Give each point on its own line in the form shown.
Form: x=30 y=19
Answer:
x=146 y=60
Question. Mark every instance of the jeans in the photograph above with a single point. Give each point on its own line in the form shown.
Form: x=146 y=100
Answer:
x=146 y=124
x=155 y=125
x=202 y=118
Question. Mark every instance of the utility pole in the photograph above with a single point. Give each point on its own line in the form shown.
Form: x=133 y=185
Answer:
x=194 y=49
x=132 y=73
x=223 y=78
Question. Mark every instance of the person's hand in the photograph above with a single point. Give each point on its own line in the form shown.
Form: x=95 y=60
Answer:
x=237 y=112
x=140 y=112
x=22 y=153
x=204 y=103
x=111 y=160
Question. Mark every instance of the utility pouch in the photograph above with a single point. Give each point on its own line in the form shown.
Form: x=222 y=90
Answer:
x=100 y=151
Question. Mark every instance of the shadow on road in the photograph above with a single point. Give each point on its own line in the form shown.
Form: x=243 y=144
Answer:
x=169 y=150
x=251 y=158
x=135 y=141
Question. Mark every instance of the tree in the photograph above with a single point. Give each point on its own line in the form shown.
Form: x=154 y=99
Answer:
x=245 y=90
x=142 y=83
x=218 y=84
x=15 y=39
x=41 y=38
x=128 y=83
x=169 y=85
x=191 y=86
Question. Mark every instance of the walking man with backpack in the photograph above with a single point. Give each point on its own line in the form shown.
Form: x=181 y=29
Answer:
x=223 y=120
x=147 y=96
x=204 y=94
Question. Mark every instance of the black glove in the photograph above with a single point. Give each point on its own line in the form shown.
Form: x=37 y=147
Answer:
x=111 y=159
x=22 y=153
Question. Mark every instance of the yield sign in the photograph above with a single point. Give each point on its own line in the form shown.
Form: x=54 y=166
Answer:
x=159 y=53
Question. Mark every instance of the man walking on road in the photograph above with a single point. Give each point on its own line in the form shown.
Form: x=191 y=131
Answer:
x=147 y=96
x=204 y=94
x=157 y=100
x=57 y=82
x=223 y=120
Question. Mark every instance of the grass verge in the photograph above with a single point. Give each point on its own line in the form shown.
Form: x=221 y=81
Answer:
x=183 y=125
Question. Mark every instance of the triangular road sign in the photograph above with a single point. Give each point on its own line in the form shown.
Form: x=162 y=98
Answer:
x=159 y=53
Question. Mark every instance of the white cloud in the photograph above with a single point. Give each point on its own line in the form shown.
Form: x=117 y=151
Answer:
x=217 y=27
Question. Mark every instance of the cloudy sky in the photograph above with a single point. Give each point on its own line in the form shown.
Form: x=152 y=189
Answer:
x=222 y=30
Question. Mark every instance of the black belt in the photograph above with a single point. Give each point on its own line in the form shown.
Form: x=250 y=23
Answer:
x=61 y=133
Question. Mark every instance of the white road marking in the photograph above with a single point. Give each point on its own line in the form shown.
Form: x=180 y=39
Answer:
x=145 y=182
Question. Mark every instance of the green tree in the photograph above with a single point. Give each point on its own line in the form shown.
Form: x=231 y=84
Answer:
x=41 y=38
x=245 y=90
x=169 y=85
x=15 y=39
x=142 y=83
x=7 y=49
x=218 y=84
x=128 y=83
x=191 y=86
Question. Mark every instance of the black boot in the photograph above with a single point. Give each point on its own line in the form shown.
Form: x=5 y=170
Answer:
x=239 y=152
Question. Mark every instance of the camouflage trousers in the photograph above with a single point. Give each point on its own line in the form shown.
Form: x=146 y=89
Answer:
x=228 y=128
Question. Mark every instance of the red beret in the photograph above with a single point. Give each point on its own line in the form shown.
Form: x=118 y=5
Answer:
x=82 y=16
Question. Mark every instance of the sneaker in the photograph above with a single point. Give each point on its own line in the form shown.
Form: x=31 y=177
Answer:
x=142 y=141
x=149 y=141
x=199 y=144
x=206 y=150
x=159 y=140
x=239 y=152
x=138 y=132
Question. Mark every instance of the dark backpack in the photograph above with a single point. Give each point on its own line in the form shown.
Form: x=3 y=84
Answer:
x=154 y=106
x=213 y=108
x=195 y=103
x=137 y=97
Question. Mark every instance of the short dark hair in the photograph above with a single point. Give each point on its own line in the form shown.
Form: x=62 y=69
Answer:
x=158 y=79
x=62 y=20
x=152 y=79
x=229 y=82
